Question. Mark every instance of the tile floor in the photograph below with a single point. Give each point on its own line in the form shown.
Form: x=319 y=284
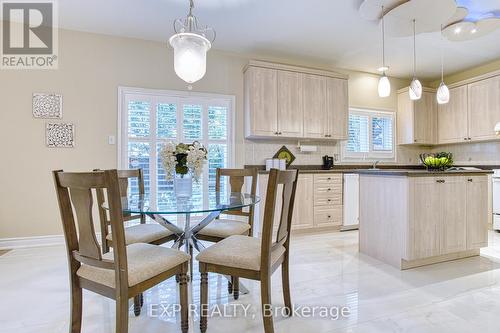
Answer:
x=326 y=270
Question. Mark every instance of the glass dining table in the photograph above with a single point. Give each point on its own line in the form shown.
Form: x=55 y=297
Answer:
x=168 y=210
x=167 y=205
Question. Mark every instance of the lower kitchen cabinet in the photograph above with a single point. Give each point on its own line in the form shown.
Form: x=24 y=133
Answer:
x=318 y=201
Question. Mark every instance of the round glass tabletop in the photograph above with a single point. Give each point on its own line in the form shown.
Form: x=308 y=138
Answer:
x=167 y=203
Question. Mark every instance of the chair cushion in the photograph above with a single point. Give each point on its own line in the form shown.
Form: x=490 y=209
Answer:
x=239 y=252
x=143 y=233
x=144 y=261
x=224 y=228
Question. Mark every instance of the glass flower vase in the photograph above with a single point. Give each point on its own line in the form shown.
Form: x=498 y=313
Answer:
x=183 y=185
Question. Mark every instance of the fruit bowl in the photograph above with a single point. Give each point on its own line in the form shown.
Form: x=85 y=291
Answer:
x=439 y=161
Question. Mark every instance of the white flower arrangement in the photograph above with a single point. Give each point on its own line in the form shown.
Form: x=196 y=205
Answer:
x=183 y=158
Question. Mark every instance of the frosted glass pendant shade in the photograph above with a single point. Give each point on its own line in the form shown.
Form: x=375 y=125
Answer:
x=384 y=86
x=415 y=89
x=443 y=94
x=190 y=55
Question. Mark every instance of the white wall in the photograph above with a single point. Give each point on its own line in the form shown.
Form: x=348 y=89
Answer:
x=91 y=67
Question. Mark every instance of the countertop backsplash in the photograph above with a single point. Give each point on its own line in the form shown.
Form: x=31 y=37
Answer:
x=257 y=151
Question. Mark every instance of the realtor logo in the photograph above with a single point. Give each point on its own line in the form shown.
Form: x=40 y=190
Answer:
x=29 y=35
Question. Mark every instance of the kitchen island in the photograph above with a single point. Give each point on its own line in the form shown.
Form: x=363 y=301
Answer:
x=411 y=218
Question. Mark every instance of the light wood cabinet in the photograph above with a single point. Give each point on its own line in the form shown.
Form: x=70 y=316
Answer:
x=417 y=120
x=261 y=97
x=290 y=105
x=425 y=207
x=449 y=215
x=453 y=214
x=318 y=201
x=484 y=108
x=337 y=107
x=477 y=212
x=315 y=116
x=293 y=102
x=303 y=208
x=420 y=219
x=452 y=117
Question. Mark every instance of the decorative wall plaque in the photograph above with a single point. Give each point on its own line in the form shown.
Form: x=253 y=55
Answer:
x=60 y=135
x=48 y=106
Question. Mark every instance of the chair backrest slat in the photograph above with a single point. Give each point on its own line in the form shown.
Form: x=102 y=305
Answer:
x=288 y=181
x=82 y=203
x=236 y=182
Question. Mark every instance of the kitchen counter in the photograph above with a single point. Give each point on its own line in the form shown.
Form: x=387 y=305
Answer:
x=312 y=169
x=411 y=218
x=420 y=173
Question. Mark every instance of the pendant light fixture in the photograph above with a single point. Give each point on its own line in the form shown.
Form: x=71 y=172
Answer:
x=384 y=86
x=443 y=93
x=415 y=89
x=191 y=43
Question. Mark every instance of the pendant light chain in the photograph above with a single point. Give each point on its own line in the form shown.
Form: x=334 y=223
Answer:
x=414 y=50
x=383 y=40
x=442 y=55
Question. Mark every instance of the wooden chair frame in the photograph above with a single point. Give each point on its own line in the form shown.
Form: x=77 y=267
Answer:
x=74 y=190
x=123 y=177
x=236 y=183
x=288 y=179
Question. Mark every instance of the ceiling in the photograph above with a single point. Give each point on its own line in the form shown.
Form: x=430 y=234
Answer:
x=327 y=31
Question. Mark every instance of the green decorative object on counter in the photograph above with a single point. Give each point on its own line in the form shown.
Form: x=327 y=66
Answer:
x=440 y=161
x=285 y=154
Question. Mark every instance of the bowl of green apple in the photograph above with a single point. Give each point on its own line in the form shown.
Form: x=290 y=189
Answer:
x=439 y=161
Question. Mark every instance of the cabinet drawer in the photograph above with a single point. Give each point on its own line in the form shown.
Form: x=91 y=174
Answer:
x=327 y=189
x=328 y=179
x=328 y=217
x=327 y=200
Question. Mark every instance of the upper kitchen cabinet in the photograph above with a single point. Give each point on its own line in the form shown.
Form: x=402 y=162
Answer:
x=290 y=105
x=452 y=117
x=484 y=108
x=294 y=102
x=261 y=96
x=417 y=120
x=315 y=112
x=337 y=106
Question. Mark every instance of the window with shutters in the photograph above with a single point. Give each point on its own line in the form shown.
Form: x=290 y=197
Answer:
x=371 y=136
x=149 y=118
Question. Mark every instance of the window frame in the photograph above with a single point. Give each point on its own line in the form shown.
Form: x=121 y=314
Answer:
x=155 y=96
x=371 y=155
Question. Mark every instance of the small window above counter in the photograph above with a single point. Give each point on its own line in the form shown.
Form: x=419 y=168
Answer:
x=283 y=101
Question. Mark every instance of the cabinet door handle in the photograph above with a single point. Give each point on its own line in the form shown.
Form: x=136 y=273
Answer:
x=329 y=189
x=469 y=180
x=465 y=139
x=276 y=133
x=329 y=200
x=329 y=216
x=440 y=181
x=329 y=178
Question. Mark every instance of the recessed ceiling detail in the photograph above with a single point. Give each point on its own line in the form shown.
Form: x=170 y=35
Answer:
x=467 y=30
x=428 y=14
x=459 y=21
x=372 y=9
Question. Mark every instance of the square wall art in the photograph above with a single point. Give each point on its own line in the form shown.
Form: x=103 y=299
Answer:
x=47 y=105
x=60 y=135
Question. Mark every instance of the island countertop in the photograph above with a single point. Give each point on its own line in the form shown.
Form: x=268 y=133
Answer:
x=420 y=173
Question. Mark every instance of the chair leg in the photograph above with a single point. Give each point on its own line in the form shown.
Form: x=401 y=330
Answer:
x=122 y=314
x=137 y=305
x=203 y=301
x=183 y=290
x=236 y=287
x=76 y=309
x=285 y=280
x=265 y=295
x=230 y=286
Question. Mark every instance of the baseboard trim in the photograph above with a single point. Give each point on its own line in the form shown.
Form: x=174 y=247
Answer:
x=25 y=242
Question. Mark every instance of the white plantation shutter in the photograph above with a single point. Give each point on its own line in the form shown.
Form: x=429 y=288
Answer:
x=358 y=141
x=151 y=118
x=370 y=135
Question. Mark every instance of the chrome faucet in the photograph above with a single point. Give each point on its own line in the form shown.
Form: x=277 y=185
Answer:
x=374 y=166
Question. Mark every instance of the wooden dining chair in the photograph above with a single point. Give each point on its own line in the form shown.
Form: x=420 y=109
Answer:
x=220 y=229
x=125 y=272
x=255 y=259
x=143 y=232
